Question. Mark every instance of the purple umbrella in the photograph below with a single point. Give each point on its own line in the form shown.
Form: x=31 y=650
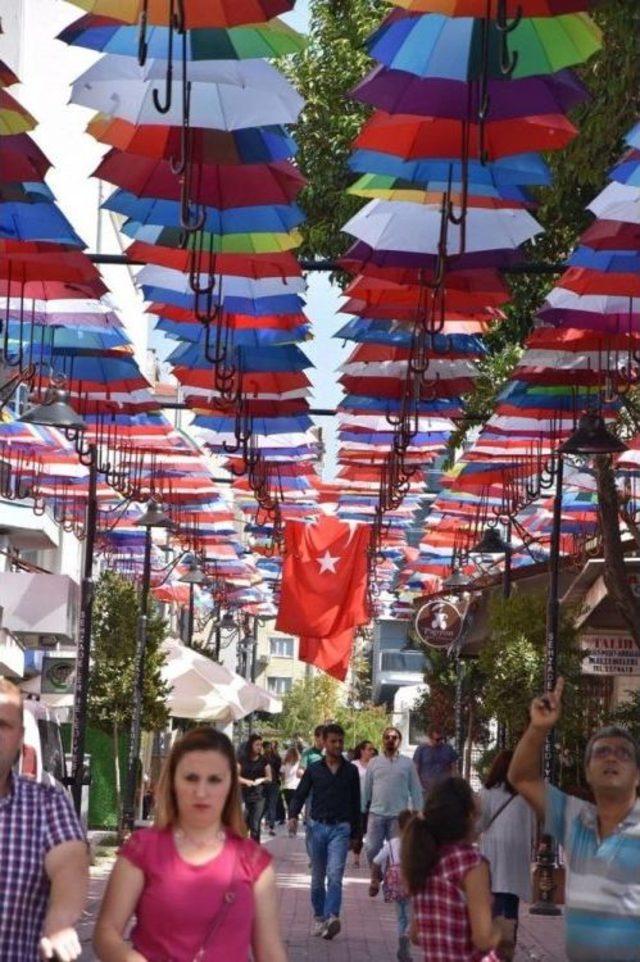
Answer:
x=362 y=253
x=399 y=92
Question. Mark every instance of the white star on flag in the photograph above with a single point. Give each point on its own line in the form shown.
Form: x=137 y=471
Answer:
x=327 y=563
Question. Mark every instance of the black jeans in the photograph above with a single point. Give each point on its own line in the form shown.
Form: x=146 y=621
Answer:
x=273 y=793
x=253 y=809
x=288 y=795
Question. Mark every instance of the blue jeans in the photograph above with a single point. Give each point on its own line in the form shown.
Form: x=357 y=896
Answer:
x=329 y=846
x=379 y=828
x=402 y=915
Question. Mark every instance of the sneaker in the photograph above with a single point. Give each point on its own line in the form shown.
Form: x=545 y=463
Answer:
x=318 y=927
x=404 y=950
x=331 y=927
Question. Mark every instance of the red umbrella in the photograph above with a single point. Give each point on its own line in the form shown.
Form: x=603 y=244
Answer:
x=21 y=159
x=251 y=185
x=198 y=13
x=585 y=281
x=411 y=137
x=612 y=235
x=278 y=264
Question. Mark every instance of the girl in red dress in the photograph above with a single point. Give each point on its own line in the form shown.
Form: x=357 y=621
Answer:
x=449 y=881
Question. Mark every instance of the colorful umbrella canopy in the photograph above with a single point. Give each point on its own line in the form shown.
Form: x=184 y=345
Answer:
x=198 y=13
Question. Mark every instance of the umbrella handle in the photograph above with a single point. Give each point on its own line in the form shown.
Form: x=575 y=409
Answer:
x=143 y=46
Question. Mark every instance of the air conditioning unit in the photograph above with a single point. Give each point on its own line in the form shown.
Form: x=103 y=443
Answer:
x=41 y=610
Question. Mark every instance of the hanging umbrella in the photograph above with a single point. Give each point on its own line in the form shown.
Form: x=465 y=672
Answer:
x=198 y=13
x=41 y=222
x=399 y=92
x=435 y=173
x=255 y=145
x=274 y=39
x=391 y=225
x=225 y=94
x=412 y=137
x=14 y=119
x=440 y=47
x=218 y=186
x=21 y=159
x=478 y=8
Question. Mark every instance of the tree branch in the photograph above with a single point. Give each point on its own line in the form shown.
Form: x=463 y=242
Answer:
x=615 y=570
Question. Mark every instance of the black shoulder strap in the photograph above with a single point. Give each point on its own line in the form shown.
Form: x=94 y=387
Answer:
x=499 y=812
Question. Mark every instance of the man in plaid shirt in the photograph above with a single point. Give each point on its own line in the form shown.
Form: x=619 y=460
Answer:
x=44 y=869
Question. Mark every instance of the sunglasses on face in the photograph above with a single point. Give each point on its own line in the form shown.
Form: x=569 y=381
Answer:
x=620 y=752
x=391 y=738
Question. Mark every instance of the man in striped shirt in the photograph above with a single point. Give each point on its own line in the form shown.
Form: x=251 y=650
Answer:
x=601 y=841
x=44 y=868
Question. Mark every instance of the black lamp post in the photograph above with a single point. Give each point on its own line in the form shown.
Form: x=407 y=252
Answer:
x=458 y=583
x=154 y=517
x=192 y=577
x=591 y=438
x=56 y=412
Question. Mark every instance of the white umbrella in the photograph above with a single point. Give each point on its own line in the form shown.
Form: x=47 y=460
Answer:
x=225 y=94
x=225 y=285
x=617 y=202
x=201 y=689
x=401 y=226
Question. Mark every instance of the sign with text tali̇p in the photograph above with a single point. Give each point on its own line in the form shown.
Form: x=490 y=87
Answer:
x=609 y=654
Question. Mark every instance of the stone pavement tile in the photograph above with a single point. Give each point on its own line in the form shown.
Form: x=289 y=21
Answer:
x=369 y=925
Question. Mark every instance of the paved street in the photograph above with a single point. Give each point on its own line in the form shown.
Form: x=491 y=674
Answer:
x=369 y=925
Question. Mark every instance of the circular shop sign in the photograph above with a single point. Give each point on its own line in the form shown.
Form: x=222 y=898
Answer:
x=438 y=623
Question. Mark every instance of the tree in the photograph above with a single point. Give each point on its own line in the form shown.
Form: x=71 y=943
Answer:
x=367 y=722
x=310 y=702
x=116 y=611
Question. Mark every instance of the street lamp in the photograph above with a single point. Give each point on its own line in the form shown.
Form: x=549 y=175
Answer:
x=153 y=517
x=56 y=412
x=590 y=438
x=492 y=542
x=192 y=577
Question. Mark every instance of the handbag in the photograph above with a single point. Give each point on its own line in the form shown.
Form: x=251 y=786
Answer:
x=228 y=899
x=393 y=887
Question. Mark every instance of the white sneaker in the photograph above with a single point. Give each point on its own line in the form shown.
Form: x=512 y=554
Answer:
x=331 y=927
x=318 y=927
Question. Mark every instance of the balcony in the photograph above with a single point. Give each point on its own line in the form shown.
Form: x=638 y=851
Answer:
x=11 y=656
x=28 y=531
x=395 y=669
x=39 y=609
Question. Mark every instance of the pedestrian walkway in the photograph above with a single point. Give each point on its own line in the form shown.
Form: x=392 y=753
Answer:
x=369 y=925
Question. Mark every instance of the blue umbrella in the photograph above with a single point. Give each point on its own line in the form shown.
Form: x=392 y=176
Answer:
x=37 y=222
x=279 y=218
x=513 y=171
x=281 y=304
x=284 y=358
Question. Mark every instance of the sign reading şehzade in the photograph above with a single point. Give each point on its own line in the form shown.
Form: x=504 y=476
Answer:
x=609 y=654
x=438 y=623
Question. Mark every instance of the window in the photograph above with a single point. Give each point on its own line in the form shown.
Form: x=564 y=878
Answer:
x=412 y=661
x=281 y=647
x=279 y=686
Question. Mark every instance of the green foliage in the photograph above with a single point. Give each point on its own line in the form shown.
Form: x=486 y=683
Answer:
x=437 y=704
x=333 y=62
x=115 y=623
x=627 y=715
x=311 y=702
x=368 y=722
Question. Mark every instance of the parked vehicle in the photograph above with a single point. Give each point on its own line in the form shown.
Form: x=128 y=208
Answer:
x=42 y=755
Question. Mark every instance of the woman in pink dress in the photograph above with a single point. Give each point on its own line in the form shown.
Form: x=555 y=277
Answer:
x=199 y=889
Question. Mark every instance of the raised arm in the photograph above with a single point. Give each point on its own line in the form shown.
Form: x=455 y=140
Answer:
x=525 y=771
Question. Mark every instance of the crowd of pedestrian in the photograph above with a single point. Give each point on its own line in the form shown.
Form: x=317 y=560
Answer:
x=454 y=863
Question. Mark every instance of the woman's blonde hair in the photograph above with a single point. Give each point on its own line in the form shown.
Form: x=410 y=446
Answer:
x=203 y=739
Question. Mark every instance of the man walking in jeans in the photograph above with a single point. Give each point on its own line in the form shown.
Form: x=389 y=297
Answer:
x=390 y=786
x=335 y=824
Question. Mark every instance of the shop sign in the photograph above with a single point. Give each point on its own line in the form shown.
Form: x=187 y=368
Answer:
x=58 y=675
x=438 y=623
x=609 y=654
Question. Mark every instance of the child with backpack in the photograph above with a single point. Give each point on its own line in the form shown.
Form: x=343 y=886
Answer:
x=387 y=862
x=449 y=882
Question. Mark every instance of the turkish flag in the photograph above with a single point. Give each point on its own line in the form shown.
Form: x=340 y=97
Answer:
x=324 y=589
x=332 y=654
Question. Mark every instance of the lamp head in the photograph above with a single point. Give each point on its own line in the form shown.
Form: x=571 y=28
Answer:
x=457 y=581
x=491 y=542
x=55 y=412
x=154 y=517
x=592 y=437
x=194 y=575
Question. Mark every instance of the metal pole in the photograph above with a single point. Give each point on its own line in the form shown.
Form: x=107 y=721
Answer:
x=458 y=711
x=128 y=808
x=506 y=580
x=190 y=622
x=546 y=860
x=79 y=726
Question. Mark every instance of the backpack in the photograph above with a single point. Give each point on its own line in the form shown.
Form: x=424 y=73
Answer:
x=393 y=886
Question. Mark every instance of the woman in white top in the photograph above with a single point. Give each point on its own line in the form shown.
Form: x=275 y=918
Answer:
x=290 y=777
x=362 y=755
x=508 y=828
